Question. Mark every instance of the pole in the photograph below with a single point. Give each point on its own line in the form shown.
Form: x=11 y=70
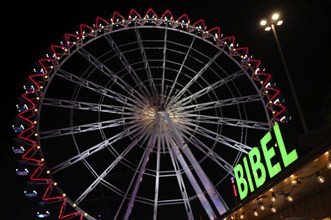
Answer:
x=297 y=103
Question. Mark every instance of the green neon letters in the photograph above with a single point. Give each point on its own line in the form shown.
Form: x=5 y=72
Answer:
x=256 y=170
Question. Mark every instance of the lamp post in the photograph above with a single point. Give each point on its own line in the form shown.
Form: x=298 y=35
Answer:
x=271 y=25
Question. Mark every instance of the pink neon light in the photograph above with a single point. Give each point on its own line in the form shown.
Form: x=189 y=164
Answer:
x=242 y=49
x=184 y=18
x=282 y=109
x=276 y=92
x=24 y=135
x=268 y=76
x=150 y=12
x=20 y=115
x=201 y=23
x=214 y=31
x=25 y=96
x=61 y=215
x=272 y=97
x=39 y=170
x=82 y=28
x=256 y=62
x=46 y=60
x=31 y=78
x=55 y=48
x=117 y=16
x=229 y=40
x=99 y=20
x=168 y=14
x=74 y=214
x=27 y=119
x=133 y=13
x=48 y=191
x=67 y=36
x=30 y=158
x=234 y=188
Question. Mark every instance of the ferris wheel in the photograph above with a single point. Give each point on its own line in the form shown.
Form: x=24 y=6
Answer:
x=137 y=117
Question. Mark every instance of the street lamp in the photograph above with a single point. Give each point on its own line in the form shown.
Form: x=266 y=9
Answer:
x=271 y=25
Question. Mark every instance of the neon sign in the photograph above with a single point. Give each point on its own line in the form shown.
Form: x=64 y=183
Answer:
x=253 y=166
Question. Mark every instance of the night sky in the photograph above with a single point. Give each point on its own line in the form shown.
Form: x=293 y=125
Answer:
x=31 y=28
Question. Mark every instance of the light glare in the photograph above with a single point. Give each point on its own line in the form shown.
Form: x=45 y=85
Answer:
x=275 y=16
x=263 y=22
x=280 y=22
x=320 y=179
x=289 y=198
x=329 y=165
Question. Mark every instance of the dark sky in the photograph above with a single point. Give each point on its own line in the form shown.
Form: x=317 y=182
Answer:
x=31 y=28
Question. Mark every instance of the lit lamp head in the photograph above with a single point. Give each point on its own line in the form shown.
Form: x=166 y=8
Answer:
x=288 y=197
x=265 y=23
x=275 y=16
x=261 y=206
x=320 y=178
x=273 y=209
x=328 y=165
x=274 y=21
x=256 y=213
x=273 y=197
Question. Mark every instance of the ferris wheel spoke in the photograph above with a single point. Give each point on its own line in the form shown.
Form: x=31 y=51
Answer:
x=194 y=79
x=164 y=53
x=82 y=128
x=219 y=103
x=149 y=148
x=216 y=199
x=127 y=65
x=220 y=138
x=92 y=150
x=160 y=142
x=95 y=87
x=180 y=181
x=111 y=187
x=108 y=72
x=238 y=157
x=208 y=119
x=209 y=88
x=145 y=60
x=201 y=196
x=87 y=106
x=141 y=167
x=198 y=144
x=103 y=182
x=179 y=71
x=101 y=177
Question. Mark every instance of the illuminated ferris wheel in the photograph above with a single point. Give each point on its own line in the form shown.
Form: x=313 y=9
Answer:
x=139 y=116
